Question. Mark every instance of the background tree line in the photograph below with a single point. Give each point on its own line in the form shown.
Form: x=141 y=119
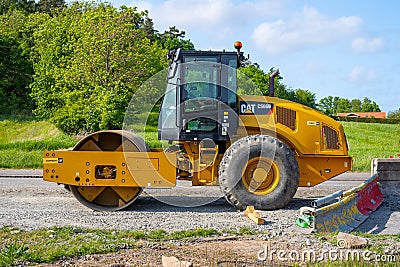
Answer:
x=333 y=105
x=79 y=64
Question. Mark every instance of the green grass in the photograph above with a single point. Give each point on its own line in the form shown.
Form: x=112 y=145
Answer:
x=381 y=244
x=52 y=244
x=148 y=131
x=48 y=245
x=22 y=142
x=371 y=140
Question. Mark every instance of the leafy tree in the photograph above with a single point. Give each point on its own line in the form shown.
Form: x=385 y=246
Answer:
x=148 y=28
x=369 y=106
x=356 y=105
x=395 y=114
x=261 y=80
x=328 y=105
x=89 y=60
x=20 y=26
x=27 y=6
x=15 y=75
x=49 y=6
x=170 y=39
x=5 y=6
x=343 y=105
x=174 y=38
x=305 y=97
x=257 y=76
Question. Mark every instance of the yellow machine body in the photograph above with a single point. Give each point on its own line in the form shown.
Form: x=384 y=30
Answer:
x=319 y=144
x=134 y=169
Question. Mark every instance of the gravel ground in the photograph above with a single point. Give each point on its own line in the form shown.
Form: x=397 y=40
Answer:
x=31 y=203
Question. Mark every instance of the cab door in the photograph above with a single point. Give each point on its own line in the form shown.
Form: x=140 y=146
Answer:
x=200 y=96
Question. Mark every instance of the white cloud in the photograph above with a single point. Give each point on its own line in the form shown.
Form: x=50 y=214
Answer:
x=365 y=45
x=362 y=74
x=220 y=17
x=308 y=28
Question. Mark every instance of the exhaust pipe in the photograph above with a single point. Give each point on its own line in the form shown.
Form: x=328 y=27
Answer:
x=272 y=82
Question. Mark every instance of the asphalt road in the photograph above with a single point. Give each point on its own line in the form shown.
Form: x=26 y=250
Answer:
x=28 y=202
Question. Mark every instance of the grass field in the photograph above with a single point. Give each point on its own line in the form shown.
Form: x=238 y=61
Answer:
x=22 y=142
x=371 y=140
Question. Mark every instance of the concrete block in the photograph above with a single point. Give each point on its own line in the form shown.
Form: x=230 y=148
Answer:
x=389 y=175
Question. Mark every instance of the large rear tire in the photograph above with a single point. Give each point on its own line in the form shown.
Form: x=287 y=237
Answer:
x=109 y=198
x=251 y=174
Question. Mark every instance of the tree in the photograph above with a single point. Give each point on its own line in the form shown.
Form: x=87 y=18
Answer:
x=258 y=80
x=356 y=105
x=49 y=6
x=328 y=105
x=261 y=81
x=395 y=114
x=174 y=38
x=27 y=6
x=343 y=105
x=369 y=106
x=5 y=6
x=16 y=66
x=15 y=75
x=305 y=97
x=88 y=65
x=148 y=28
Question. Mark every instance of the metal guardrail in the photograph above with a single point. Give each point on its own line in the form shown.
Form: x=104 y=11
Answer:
x=327 y=199
x=350 y=209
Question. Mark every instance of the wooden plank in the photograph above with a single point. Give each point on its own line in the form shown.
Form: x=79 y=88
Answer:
x=254 y=215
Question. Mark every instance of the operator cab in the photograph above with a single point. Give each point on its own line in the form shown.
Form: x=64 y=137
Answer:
x=200 y=99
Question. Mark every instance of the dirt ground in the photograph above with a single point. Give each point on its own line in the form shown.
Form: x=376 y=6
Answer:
x=292 y=250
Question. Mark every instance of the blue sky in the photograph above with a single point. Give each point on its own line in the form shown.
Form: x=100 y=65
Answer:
x=341 y=48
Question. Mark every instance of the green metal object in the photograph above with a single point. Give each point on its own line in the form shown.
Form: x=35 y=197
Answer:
x=305 y=221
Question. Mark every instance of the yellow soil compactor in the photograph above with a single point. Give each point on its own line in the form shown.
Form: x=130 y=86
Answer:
x=257 y=148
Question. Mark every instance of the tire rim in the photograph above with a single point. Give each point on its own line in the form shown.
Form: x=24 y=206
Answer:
x=260 y=175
